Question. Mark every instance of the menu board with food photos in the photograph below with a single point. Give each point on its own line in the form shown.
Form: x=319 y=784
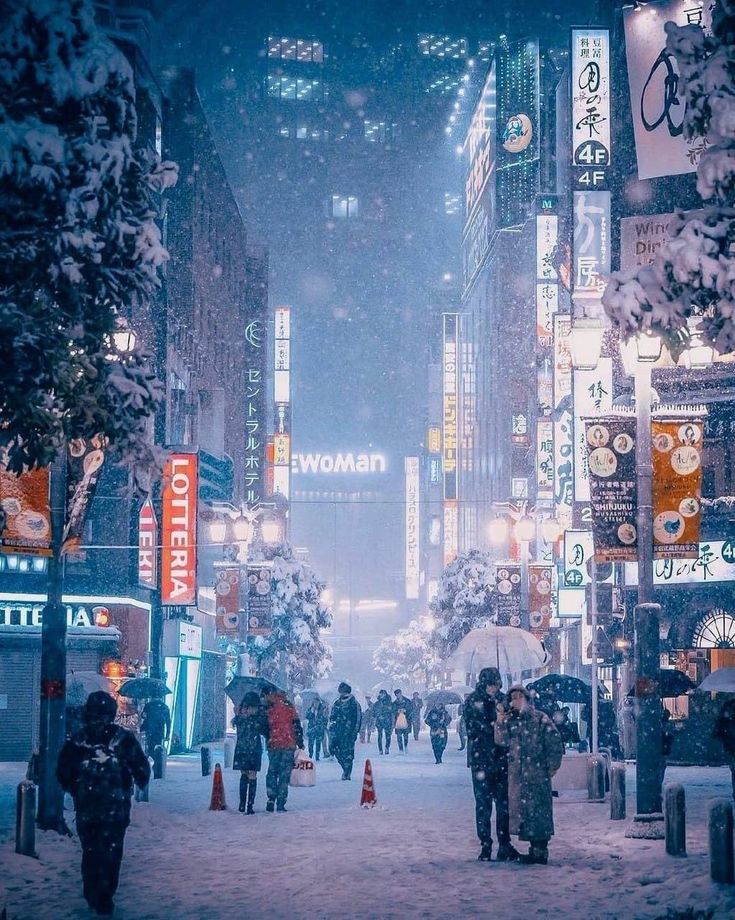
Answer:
x=677 y=487
x=611 y=457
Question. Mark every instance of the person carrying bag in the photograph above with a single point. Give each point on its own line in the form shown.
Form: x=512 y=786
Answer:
x=304 y=771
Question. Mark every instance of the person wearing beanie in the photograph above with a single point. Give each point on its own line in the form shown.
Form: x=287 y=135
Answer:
x=535 y=751
x=344 y=726
x=251 y=725
x=98 y=767
x=488 y=762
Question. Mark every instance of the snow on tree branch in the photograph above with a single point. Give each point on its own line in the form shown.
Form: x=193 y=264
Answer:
x=464 y=600
x=693 y=274
x=406 y=657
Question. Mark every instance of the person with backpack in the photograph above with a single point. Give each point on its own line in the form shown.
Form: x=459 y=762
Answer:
x=285 y=737
x=250 y=724
x=344 y=724
x=98 y=767
x=383 y=712
x=438 y=720
x=155 y=724
x=402 y=713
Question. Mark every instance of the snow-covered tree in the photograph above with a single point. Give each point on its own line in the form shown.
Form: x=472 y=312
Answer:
x=79 y=244
x=406 y=657
x=299 y=615
x=464 y=600
x=693 y=274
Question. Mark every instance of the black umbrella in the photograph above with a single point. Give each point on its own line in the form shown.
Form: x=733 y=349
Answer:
x=239 y=686
x=144 y=688
x=563 y=688
x=448 y=697
x=671 y=683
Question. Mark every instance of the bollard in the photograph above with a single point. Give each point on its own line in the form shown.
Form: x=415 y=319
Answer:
x=159 y=762
x=675 y=820
x=141 y=793
x=229 y=753
x=720 y=842
x=206 y=760
x=595 y=778
x=25 y=819
x=617 y=791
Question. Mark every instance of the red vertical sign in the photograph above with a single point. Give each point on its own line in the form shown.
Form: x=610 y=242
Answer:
x=147 y=546
x=179 y=537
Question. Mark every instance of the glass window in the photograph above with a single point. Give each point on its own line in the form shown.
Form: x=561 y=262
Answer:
x=442 y=46
x=296 y=49
x=379 y=132
x=344 y=206
x=452 y=203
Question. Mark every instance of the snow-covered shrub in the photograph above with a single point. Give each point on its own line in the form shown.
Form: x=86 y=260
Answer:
x=299 y=615
x=464 y=600
x=693 y=274
x=79 y=243
x=406 y=657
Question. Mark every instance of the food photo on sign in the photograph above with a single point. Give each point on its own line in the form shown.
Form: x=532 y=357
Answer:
x=677 y=487
x=610 y=444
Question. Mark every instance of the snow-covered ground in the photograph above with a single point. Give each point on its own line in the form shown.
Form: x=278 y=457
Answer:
x=414 y=856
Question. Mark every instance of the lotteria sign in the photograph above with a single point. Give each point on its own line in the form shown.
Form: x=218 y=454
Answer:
x=17 y=613
x=338 y=463
x=179 y=536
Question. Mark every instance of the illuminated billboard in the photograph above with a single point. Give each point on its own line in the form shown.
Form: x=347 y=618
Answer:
x=413 y=561
x=450 y=416
x=282 y=400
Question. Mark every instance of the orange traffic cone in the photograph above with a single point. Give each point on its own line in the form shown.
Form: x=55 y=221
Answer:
x=368 y=797
x=217 y=802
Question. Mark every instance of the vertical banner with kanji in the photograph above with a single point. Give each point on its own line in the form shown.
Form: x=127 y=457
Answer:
x=227 y=599
x=260 y=613
x=613 y=487
x=540 y=599
x=84 y=468
x=677 y=487
x=508 y=595
x=563 y=422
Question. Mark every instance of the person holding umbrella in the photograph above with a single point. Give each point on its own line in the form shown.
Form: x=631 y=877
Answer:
x=155 y=724
x=438 y=720
x=251 y=725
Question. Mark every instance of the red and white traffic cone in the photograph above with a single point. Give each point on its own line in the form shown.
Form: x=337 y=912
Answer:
x=368 y=798
x=217 y=802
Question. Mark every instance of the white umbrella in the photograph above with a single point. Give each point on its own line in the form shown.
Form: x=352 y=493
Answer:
x=720 y=681
x=507 y=648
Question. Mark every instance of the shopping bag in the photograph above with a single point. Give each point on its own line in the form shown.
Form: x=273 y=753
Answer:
x=304 y=771
x=401 y=722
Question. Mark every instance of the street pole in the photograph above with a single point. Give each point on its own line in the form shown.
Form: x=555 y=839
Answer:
x=53 y=664
x=644 y=476
x=525 y=555
x=593 y=621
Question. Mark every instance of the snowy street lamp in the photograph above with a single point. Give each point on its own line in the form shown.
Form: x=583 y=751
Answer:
x=124 y=338
x=586 y=342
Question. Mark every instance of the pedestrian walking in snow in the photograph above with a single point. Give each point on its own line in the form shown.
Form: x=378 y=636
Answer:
x=285 y=737
x=155 y=724
x=344 y=725
x=417 y=704
x=402 y=710
x=535 y=752
x=251 y=725
x=667 y=740
x=724 y=732
x=488 y=762
x=368 y=721
x=438 y=720
x=462 y=724
x=98 y=767
x=383 y=710
x=316 y=725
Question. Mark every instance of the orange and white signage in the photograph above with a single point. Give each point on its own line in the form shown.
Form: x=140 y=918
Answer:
x=147 y=546
x=179 y=537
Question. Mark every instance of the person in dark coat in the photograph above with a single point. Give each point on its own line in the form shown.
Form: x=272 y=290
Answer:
x=402 y=714
x=417 y=704
x=98 y=768
x=488 y=762
x=667 y=740
x=155 y=724
x=438 y=720
x=383 y=711
x=368 y=721
x=316 y=724
x=251 y=725
x=285 y=736
x=724 y=732
x=462 y=725
x=344 y=724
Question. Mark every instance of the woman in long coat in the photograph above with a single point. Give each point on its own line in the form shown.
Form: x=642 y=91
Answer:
x=535 y=752
x=251 y=725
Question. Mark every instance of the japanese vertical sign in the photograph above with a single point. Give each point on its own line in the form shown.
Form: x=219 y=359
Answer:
x=255 y=411
x=677 y=487
x=657 y=99
x=578 y=550
x=545 y=460
x=413 y=558
x=450 y=351
x=590 y=108
x=540 y=599
x=282 y=400
x=260 y=601
x=27 y=516
x=147 y=546
x=84 y=468
x=508 y=595
x=547 y=306
x=563 y=422
x=227 y=599
x=592 y=399
x=179 y=530
x=613 y=487
x=591 y=262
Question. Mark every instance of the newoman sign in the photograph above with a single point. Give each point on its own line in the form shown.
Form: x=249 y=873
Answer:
x=338 y=463
x=179 y=534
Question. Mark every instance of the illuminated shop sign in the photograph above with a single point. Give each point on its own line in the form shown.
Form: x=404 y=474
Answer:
x=179 y=532
x=413 y=562
x=282 y=399
x=590 y=107
x=347 y=463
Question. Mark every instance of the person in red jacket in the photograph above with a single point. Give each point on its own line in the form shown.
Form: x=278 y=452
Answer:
x=285 y=737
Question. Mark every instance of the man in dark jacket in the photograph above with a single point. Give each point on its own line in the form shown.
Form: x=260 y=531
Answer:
x=285 y=737
x=724 y=731
x=344 y=724
x=489 y=764
x=417 y=704
x=402 y=712
x=98 y=767
x=383 y=711
x=155 y=723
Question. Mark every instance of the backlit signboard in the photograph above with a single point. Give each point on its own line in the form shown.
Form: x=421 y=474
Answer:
x=450 y=416
x=592 y=399
x=179 y=531
x=147 y=546
x=590 y=107
x=282 y=400
x=413 y=562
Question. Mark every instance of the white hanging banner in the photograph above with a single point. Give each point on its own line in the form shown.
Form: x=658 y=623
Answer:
x=592 y=398
x=656 y=93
